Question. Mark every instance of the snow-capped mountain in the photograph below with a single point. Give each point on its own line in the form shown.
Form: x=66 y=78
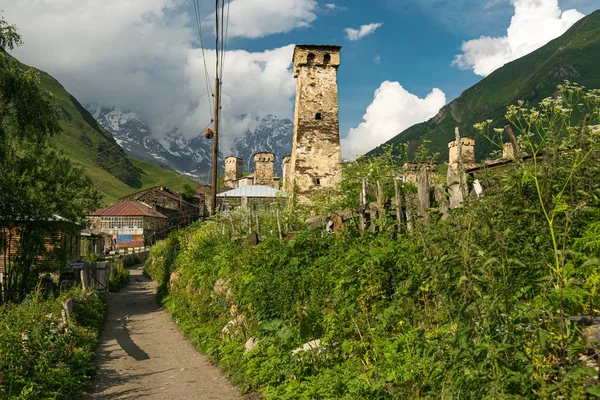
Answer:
x=132 y=133
x=273 y=135
x=192 y=157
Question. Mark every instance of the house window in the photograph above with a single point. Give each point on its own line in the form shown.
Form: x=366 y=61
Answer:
x=318 y=116
x=327 y=59
x=310 y=59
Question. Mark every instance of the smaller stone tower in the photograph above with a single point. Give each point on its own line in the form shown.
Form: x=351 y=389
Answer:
x=286 y=168
x=468 y=153
x=233 y=171
x=456 y=178
x=263 y=169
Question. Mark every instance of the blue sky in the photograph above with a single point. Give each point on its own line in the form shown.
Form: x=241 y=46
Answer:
x=414 y=46
x=143 y=56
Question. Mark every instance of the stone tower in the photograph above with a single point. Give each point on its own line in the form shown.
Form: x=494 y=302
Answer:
x=456 y=178
x=467 y=150
x=233 y=171
x=263 y=169
x=316 y=159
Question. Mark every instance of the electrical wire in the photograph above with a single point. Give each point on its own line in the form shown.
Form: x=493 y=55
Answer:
x=201 y=36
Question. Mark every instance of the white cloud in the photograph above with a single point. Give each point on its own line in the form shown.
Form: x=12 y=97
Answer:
x=334 y=7
x=377 y=59
x=392 y=111
x=259 y=18
x=534 y=24
x=137 y=55
x=364 y=30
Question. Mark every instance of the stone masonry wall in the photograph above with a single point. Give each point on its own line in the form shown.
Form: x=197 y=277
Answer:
x=233 y=171
x=316 y=157
x=263 y=169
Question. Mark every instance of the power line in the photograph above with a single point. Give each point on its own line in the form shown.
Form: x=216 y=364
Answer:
x=201 y=36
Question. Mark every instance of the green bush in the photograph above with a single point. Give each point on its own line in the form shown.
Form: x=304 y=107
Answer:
x=37 y=361
x=471 y=306
x=119 y=276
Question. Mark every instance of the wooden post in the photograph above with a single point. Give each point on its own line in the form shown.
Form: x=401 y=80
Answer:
x=249 y=220
x=233 y=232
x=279 y=225
x=398 y=204
x=513 y=140
x=363 y=205
x=257 y=224
x=423 y=192
x=461 y=169
x=380 y=210
x=83 y=283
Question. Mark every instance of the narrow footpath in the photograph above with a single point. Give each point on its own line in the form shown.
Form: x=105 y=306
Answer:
x=143 y=354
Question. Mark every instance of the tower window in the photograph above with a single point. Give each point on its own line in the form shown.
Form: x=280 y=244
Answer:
x=311 y=58
x=318 y=116
x=327 y=59
x=318 y=181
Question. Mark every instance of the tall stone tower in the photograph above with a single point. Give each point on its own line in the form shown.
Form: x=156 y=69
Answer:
x=233 y=171
x=316 y=157
x=263 y=169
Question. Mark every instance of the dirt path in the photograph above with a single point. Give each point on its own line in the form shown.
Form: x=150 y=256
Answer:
x=143 y=355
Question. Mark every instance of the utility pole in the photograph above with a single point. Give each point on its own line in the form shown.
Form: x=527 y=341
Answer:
x=215 y=155
x=215 y=152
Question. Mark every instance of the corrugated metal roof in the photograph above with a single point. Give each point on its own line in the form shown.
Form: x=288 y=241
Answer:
x=128 y=209
x=253 y=191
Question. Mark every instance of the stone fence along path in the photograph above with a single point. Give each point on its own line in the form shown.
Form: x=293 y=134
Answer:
x=142 y=353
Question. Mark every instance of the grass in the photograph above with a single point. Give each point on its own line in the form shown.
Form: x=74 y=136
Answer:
x=92 y=147
x=574 y=56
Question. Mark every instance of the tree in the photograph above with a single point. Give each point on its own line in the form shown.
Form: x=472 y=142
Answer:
x=37 y=183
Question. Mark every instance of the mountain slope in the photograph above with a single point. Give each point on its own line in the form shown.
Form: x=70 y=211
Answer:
x=574 y=56
x=132 y=133
x=192 y=157
x=89 y=145
x=273 y=135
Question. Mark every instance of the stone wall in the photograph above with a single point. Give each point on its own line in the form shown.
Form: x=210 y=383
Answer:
x=263 y=169
x=316 y=157
x=233 y=171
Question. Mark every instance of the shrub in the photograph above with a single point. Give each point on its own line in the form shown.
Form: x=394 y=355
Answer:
x=471 y=306
x=36 y=359
x=119 y=275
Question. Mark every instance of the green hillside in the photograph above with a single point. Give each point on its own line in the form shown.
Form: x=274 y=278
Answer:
x=575 y=56
x=91 y=146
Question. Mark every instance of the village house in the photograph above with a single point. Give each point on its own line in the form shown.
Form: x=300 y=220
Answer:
x=131 y=224
x=61 y=243
x=178 y=211
x=248 y=196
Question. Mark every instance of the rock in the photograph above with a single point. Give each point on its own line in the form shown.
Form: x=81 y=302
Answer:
x=315 y=222
x=172 y=279
x=253 y=239
x=222 y=287
x=312 y=346
x=250 y=344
